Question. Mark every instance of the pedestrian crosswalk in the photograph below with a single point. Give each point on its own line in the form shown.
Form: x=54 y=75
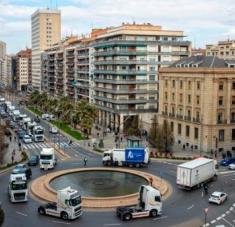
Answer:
x=31 y=146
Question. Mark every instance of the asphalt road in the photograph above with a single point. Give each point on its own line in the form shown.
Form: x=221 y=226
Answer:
x=182 y=208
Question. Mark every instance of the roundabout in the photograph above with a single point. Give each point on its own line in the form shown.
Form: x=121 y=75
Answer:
x=99 y=187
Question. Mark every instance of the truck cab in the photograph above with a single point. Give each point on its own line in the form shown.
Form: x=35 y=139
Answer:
x=149 y=205
x=17 y=188
x=38 y=133
x=68 y=205
x=47 y=158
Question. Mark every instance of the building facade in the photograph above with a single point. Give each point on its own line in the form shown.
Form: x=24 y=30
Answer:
x=46 y=30
x=127 y=60
x=24 y=69
x=224 y=50
x=197 y=98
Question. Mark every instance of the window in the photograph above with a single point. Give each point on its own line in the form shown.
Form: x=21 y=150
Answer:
x=179 y=129
x=157 y=198
x=219 y=118
x=233 y=85
x=189 y=113
x=181 y=84
x=181 y=98
x=166 y=83
x=233 y=117
x=173 y=83
x=151 y=77
x=221 y=101
x=173 y=96
x=152 y=68
x=187 y=130
x=196 y=133
x=189 y=85
x=189 y=99
x=233 y=134
x=198 y=85
x=198 y=99
x=221 y=135
x=221 y=86
x=166 y=95
x=172 y=126
x=233 y=100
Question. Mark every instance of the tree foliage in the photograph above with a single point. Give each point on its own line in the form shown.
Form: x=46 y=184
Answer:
x=80 y=113
x=162 y=136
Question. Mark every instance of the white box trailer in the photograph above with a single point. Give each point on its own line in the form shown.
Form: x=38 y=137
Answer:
x=194 y=173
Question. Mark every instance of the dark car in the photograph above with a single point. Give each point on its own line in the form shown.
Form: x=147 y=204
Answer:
x=33 y=160
x=22 y=168
x=21 y=133
x=226 y=162
x=37 y=119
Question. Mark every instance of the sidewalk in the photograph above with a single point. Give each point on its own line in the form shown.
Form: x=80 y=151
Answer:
x=13 y=145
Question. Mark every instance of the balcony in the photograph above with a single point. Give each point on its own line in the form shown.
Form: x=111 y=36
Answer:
x=196 y=120
x=120 y=62
x=83 y=63
x=83 y=78
x=121 y=72
x=187 y=118
x=120 y=52
x=221 y=121
x=179 y=117
x=114 y=81
x=121 y=91
x=232 y=120
x=121 y=101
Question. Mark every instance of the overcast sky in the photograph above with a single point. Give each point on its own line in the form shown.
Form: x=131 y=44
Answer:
x=203 y=21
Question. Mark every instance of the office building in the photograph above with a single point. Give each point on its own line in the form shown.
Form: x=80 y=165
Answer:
x=197 y=98
x=46 y=30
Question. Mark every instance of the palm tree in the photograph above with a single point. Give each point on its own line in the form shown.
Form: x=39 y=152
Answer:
x=65 y=109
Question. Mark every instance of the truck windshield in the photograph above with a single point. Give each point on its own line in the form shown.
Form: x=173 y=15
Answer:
x=45 y=157
x=19 y=186
x=76 y=201
x=38 y=132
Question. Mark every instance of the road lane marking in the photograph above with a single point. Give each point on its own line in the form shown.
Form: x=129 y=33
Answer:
x=114 y=224
x=228 y=222
x=223 y=215
x=227 y=212
x=20 y=213
x=189 y=208
x=219 y=218
x=214 y=221
x=60 y=222
x=163 y=217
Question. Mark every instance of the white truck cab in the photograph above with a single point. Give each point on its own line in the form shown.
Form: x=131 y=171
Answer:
x=38 y=133
x=68 y=205
x=17 y=188
x=47 y=158
x=149 y=205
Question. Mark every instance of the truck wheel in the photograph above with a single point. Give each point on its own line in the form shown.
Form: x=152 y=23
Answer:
x=64 y=216
x=41 y=211
x=127 y=217
x=153 y=213
x=137 y=165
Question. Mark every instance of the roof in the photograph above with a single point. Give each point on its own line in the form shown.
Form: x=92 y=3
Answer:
x=202 y=62
x=195 y=163
x=217 y=193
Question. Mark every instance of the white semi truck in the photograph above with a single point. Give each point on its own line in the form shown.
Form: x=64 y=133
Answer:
x=67 y=207
x=47 y=158
x=17 y=188
x=195 y=173
x=149 y=205
x=16 y=115
x=38 y=133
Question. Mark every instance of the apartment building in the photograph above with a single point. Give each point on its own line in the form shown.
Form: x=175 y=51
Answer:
x=197 y=98
x=66 y=69
x=5 y=66
x=224 y=50
x=127 y=60
x=46 y=30
x=198 y=52
x=23 y=69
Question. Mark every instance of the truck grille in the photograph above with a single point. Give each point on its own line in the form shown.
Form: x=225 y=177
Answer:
x=78 y=213
x=77 y=209
x=19 y=196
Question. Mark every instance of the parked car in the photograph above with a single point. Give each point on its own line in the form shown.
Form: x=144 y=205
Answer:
x=22 y=168
x=27 y=139
x=231 y=166
x=226 y=162
x=218 y=197
x=46 y=117
x=33 y=160
x=53 y=130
